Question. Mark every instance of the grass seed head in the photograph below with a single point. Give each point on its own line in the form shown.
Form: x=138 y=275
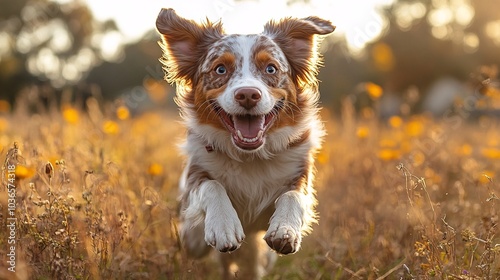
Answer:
x=49 y=170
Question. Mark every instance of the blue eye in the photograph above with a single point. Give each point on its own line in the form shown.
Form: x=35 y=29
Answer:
x=271 y=69
x=221 y=70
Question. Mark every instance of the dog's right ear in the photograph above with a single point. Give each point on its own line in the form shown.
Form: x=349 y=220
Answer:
x=184 y=42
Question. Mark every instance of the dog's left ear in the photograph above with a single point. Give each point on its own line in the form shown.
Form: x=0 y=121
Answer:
x=296 y=37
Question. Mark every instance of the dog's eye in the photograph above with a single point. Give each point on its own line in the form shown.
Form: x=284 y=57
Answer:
x=221 y=70
x=271 y=69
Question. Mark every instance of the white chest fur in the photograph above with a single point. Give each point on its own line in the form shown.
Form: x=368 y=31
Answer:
x=252 y=184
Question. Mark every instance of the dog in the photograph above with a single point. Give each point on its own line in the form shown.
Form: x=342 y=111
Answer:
x=250 y=107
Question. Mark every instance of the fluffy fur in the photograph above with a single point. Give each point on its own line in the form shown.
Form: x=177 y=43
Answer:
x=249 y=103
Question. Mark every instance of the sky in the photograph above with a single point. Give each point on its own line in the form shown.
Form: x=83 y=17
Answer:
x=358 y=23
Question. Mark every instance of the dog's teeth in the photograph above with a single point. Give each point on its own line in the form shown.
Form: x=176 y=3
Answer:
x=259 y=135
x=249 y=140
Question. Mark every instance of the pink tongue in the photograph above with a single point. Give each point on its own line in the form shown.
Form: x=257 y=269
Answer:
x=248 y=125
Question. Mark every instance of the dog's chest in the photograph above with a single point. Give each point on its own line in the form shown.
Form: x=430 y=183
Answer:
x=255 y=174
x=254 y=185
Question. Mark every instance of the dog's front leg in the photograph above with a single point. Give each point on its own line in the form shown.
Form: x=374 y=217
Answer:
x=223 y=228
x=290 y=219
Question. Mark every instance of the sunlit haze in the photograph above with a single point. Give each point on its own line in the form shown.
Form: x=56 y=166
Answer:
x=358 y=23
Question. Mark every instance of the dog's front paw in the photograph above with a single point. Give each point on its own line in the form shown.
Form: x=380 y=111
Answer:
x=284 y=239
x=223 y=231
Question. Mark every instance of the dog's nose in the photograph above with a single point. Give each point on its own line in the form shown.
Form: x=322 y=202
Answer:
x=247 y=97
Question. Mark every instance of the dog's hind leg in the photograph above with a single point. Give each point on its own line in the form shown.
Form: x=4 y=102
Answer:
x=252 y=261
x=193 y=239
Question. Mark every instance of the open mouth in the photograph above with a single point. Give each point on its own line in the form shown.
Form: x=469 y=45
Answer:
x=248 y=131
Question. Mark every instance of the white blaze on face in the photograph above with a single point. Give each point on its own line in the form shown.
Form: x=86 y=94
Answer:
x=245 y=76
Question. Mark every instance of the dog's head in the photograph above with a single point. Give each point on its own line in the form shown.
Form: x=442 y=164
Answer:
x=247 y=86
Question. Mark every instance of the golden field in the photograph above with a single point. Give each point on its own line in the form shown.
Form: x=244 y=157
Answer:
x=410 y=197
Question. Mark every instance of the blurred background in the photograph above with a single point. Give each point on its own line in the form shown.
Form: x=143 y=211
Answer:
x=397 y=56
x=407 y=177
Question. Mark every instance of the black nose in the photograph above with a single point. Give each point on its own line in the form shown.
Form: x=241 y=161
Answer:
x=247 y=97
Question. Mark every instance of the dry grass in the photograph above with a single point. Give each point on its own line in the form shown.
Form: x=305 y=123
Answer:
x=412 y=198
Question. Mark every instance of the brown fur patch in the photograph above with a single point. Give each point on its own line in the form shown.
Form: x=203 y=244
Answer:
x=204 y=111
x=195 y=177
x=212 y=80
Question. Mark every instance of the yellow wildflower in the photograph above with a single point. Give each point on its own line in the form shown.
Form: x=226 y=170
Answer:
x=383 y=56
x=155 y=169
x=373 y=90
x=110 y=127
x=395 y=121
x=23 y=172
x=414 y=128
x=70 y=114
x=486 y=177
x=389 y=154
x=122 y=113
x=363 y=132
x=323 y=157
x=492 y=153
